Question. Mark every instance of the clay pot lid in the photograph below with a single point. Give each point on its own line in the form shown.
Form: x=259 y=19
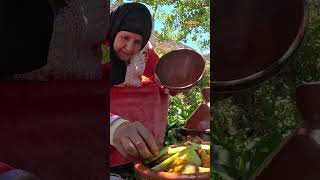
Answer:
x=199 y=121
x=206 y=94
x=180 y=69
x=148 y=173
x=253 y=40
x=192 y=131
x=203 y=134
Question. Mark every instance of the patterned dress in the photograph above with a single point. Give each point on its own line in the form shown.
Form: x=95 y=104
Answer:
x=139 y=98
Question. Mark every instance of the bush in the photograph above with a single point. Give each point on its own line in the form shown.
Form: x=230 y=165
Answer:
x=182 y=106
x=250 y=132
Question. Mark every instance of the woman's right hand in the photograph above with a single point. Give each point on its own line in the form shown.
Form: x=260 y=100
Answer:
x=132 y=138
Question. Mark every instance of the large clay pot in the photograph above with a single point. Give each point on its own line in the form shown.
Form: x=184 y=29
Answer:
x=145 y=173
x=180 y=69
x=253 y=40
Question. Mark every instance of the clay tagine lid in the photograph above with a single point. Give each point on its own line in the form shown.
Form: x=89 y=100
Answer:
x=253 y=40
x=180 y=69
x=199 y=121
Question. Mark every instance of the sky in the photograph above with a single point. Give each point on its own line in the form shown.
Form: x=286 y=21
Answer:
x=190 y=43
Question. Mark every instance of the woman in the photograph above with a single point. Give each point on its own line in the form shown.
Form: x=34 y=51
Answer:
x=133 y=63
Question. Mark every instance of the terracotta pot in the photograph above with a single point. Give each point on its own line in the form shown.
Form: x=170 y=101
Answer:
x=180 y=69
x=199 y=121
x=308 y=103
x=253 y=40
x=296 y=158
x=206 y=94
x=145 y=173
x=204 y=135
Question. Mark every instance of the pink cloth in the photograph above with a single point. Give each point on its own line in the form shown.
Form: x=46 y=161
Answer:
x=147 y=104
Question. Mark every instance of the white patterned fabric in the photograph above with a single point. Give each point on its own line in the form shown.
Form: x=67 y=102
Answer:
x=135 y=68
x=77 y=28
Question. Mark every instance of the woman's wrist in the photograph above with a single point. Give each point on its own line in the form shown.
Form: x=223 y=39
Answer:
x=114 y=126
x=113 y=118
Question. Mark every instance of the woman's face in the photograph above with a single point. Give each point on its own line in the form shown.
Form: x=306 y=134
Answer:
x=127 y=44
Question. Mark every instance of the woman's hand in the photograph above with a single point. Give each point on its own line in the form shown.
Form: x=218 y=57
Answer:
x=134 y=139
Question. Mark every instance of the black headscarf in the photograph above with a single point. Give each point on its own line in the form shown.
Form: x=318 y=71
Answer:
x=131 y=17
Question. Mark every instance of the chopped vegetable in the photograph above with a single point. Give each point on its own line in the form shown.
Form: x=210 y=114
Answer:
x=187 y=157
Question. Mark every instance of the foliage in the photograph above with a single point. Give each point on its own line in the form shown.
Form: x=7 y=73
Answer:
x=251 y=132
x=105 y=53
x=188 y=19
x=307 y=64
x=247 y=134
x=182 y=106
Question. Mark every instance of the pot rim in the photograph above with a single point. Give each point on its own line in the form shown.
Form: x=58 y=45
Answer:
x=195 y=130
x=155 y=175
x=158 y=81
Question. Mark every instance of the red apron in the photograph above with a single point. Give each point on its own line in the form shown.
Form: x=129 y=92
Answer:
x=147 y=104
x=54 y=129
